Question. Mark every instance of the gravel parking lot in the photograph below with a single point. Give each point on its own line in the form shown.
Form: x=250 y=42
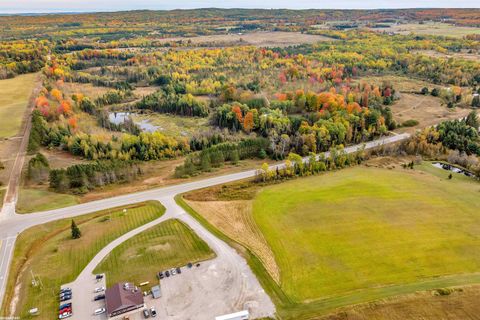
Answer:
x=219 y=286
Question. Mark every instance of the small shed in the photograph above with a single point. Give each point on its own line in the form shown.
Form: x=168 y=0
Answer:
x=156 y=292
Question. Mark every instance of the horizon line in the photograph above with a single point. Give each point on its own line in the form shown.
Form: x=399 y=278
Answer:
x=74 y=11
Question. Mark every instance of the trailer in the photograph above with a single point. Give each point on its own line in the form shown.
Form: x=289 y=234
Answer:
x=242 y=315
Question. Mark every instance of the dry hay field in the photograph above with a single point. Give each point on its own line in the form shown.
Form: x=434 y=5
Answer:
x=427 y=110
x=458 y=303
x=458 y=55
x=341 y=239
x=14 y=98
x=400 y=83
x=259 y=39
x=431 y=28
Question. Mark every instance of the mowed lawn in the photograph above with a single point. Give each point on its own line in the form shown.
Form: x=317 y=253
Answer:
x=14 y=96
x=361 y=229
x=49 y=253
x=36 y=200
x=167 y=245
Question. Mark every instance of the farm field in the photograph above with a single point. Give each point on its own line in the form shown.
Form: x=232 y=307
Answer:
x=48 y=252
x=460 y=303
x=167 y=245
x=431 y=28
x=401 y=83
x=341 y=239
x=425 y=109
x=14 y=96
x=461 y=55
x=260 y=39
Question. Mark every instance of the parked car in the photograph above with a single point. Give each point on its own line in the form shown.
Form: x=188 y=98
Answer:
x=179 y=270
x=167 y=273
x=189 y=265
x=99 y=289
x=65 y=315
x=66 y=310
x=65 y=305
x=146 y=314
x=99 y=297
x=173 y=272
x=198 y=265
x=65 y=290
x=160 y=275
x=99 y=311
x=99 y=276
x=153 y=312
x=65 y=298
x=65 y=294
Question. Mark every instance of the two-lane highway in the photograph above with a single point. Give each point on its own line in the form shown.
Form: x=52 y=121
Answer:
x=11 y=224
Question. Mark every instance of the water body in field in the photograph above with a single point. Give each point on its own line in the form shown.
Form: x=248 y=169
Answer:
x=449 y=167
x=121 y=117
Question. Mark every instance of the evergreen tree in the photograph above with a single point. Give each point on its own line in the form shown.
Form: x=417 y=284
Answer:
x=76 y=233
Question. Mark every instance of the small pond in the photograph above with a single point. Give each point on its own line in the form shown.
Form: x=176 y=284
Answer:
x=121 y=117
x=449 y=167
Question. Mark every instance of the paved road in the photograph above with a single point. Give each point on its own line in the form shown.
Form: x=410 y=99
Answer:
x=202 y=299
x=11 y=224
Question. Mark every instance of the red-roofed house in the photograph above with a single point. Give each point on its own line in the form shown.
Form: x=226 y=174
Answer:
x=123 y=297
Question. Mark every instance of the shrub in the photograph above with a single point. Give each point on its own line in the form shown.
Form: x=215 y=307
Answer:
x=410 y=123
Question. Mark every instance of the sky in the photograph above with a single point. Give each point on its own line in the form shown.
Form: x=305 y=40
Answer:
x=44 y=6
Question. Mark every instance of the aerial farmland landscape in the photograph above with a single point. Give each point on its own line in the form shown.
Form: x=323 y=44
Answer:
x=238 y=160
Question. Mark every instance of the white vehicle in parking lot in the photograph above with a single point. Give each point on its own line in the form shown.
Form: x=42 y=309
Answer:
x=99 y=311
x=99 y=289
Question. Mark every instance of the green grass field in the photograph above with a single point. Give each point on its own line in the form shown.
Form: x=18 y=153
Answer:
x=14 y=95
x=365 y=228
x=167 y=245
x=35 y=200
x=54 y=258
x=363 y=234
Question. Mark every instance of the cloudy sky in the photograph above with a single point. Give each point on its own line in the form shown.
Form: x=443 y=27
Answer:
x=18 y=6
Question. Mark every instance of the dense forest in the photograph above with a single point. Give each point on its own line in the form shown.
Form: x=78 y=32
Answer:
x=258 y=101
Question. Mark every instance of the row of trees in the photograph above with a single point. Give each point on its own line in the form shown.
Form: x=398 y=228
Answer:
x=295 y=165
x=80 y=178
x=171 y=102
x=216 y=155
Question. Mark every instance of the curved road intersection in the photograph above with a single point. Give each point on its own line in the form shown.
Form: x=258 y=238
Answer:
x=11 y=224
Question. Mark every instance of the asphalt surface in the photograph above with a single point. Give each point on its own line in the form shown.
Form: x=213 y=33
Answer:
x=11 y=223
x=227 y=285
